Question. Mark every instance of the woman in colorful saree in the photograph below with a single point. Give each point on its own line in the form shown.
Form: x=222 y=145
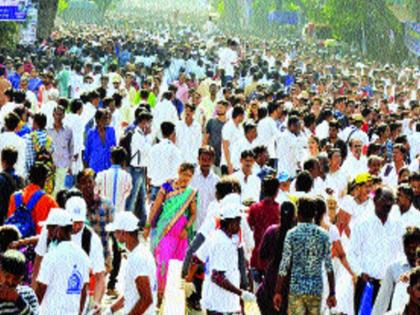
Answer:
x=171 y=219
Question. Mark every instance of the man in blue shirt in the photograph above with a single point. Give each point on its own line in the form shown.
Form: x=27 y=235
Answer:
x=14 y=78
x=289 y=78
x=34 y=81
x=309 y=247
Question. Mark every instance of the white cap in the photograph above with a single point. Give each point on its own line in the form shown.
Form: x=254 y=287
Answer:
x=77 y=208
x=57 y=216
x=232 y=198
x=230 y=211
x=123 y=221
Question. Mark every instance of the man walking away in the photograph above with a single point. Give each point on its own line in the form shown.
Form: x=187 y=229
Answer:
x=309 y=248
x=64 y=274
x=140 y=291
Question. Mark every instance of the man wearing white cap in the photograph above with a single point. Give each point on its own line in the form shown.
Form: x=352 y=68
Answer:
x=140 y=270
x=64 y=273
x=221 y=291
x=90 y=242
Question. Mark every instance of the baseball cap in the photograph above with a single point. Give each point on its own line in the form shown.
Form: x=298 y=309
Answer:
x=57 y=216
x=283 y=177
x=230 y=211
x=357 y=118
x=123 y=221
x=77 y=208
x=232 y=198
x=362 y=178
x=116 y=78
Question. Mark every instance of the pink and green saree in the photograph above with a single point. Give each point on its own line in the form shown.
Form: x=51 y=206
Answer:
x=169 y=224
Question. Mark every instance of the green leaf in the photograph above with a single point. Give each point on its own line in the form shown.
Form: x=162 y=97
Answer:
x=62 y=5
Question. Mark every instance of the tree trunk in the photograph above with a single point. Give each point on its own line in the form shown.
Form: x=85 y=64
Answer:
x=46 y=16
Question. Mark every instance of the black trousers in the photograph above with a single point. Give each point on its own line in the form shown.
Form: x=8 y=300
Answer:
x=116 y=263
x=358 y=292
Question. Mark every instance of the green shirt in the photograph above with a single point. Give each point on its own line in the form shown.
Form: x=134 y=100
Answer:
x=63 y=79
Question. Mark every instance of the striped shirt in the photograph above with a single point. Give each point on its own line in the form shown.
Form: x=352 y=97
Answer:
x=114 y=184
x=27 y=303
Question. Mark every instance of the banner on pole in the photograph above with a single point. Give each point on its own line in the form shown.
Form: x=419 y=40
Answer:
x=412 y=37
x=13 y=10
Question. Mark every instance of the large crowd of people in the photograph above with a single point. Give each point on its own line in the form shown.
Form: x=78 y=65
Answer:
x=282 y=175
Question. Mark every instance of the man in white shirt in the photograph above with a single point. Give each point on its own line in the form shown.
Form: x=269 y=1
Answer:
x=354 y=131
x=413 y=290
x=90 y=242
x=164 y=111
x=76 y=79
x=289 y=148
x=64 y=273
x=414 y=141
x=404 y=209
x=248 y=142
x=336 y=179
x=164 y=159
x=10 y=138
x=75 y=122
x=375 y=241
x=232 y=132
x=30 y=96
x=227 y=60
x=204 y=181
x=8 y=107
x=355 y=163
x=90 y=108
x=313 y=166
x=389 y=172
x=140 y=285
x=250 y=183
x=221 y=292
x=189 y=136
x=268 y=132
x=48 y=107
x=393 y=291
x=207 y=107
x=141 y=143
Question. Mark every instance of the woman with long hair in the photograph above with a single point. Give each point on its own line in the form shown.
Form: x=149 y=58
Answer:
x=271 y=250
x=171 y=221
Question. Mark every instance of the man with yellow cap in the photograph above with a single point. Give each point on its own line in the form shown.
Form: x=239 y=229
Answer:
x=356 y=205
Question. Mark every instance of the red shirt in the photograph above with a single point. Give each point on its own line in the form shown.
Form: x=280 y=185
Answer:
x=261 y=216
x=41 y=209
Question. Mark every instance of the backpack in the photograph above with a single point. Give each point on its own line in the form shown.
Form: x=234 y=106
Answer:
x=125 y=142
x=22 y=217
x=86 y=237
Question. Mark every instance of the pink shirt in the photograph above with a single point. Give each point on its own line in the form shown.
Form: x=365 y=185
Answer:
x=182 y=92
